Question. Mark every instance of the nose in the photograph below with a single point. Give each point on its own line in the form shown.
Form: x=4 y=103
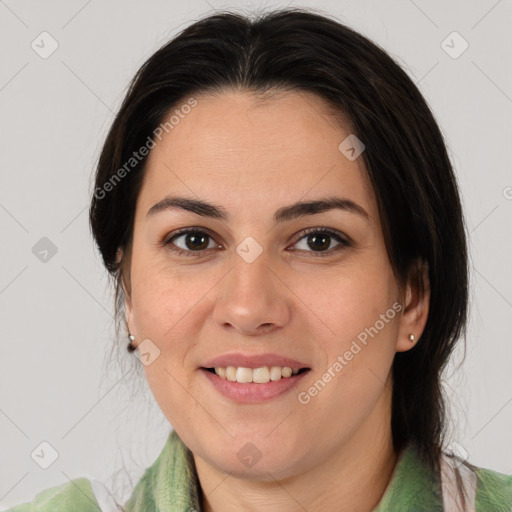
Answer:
x=252 y=299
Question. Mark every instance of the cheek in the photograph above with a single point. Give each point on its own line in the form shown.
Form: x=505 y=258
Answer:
x=160 y=300
x=168 y=386
x=347 y=300
x=356 y=322
x=164 y=312
x=360 y=346
x=169 y=310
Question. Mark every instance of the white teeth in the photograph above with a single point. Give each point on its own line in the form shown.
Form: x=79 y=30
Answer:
x=287 y=372
x=230 y=373
x=244 y=375
x=258 y=375
x=275 y=373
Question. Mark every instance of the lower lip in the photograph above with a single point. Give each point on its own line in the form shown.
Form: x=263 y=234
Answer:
x=252 y=392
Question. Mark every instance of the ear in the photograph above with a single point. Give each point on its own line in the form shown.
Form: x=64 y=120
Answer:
x=128 y=311
x=416 y=306
x=127 y=297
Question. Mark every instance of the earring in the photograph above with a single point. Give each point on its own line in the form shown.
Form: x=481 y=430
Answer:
x=412 y=338
x=130 y=346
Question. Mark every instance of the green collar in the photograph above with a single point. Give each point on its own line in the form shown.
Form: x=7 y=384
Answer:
x=412 y=486
x=171 y=484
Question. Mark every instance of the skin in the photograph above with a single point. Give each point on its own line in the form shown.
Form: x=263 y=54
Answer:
x=334 y=453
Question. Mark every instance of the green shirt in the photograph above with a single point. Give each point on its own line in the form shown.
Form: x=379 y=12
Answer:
x=171 y=485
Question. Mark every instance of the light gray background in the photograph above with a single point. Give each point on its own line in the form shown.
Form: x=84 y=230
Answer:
x=56 y=323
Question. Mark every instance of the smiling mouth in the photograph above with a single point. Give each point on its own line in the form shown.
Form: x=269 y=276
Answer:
x=261 y=375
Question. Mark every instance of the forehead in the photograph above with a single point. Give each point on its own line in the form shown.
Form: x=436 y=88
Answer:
x=233 y=147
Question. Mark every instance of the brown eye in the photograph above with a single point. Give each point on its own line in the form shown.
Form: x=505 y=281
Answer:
x=190 y=241
x=319 y=240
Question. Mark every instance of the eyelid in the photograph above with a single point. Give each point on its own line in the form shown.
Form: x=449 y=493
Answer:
x=324 y=229
x=184 y=231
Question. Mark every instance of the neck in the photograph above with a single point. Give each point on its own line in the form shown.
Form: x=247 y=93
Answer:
x=353 y=477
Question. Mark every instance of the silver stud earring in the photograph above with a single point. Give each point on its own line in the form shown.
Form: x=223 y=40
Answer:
x=131 y=347
x=412 y=338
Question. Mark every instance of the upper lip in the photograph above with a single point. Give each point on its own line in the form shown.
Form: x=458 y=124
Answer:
x=252 y=361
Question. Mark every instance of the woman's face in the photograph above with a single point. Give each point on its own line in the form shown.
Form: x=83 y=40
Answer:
x=255 y=283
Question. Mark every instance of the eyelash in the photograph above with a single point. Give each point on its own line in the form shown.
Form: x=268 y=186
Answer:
x=344 y=242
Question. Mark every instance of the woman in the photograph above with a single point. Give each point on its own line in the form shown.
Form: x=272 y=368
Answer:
x=276 y=204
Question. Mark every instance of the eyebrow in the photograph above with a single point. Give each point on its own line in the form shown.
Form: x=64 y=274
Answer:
x=286 y=213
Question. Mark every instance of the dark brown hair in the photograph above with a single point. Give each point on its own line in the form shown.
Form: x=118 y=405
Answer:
x=405 y=157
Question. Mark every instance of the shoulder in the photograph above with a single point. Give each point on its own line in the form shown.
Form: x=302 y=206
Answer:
x=79 y=495
x=484 y=489
x=493 y=491
x=171 y=479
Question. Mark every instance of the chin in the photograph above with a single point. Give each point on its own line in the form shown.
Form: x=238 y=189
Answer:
x=254 y=461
